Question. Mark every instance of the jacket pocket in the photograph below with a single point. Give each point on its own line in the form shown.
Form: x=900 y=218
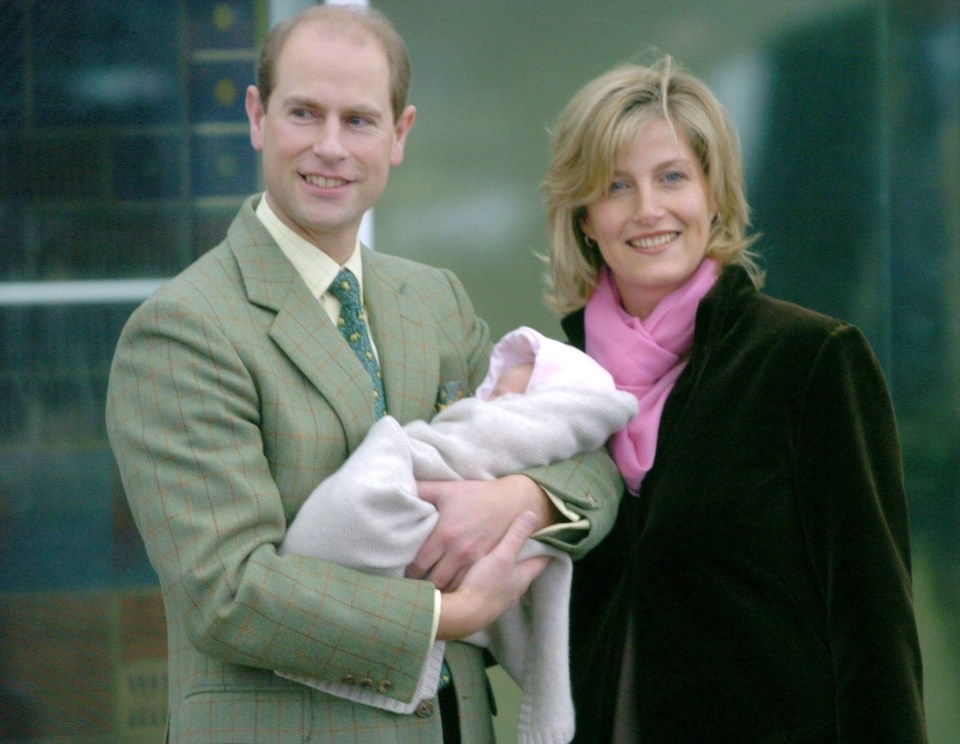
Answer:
x=218 y=716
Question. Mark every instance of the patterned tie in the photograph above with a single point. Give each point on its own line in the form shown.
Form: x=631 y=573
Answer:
x=354 y=329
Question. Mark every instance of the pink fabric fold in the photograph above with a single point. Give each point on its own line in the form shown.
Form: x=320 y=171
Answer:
x=645 y=358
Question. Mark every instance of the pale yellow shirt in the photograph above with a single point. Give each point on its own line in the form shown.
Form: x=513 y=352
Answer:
x=314 y=266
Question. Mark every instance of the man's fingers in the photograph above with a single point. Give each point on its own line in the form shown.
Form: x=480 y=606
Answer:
x=442 y=574
x=530 y=569
x=522 y=526
x=424 y=561
x=429 y=491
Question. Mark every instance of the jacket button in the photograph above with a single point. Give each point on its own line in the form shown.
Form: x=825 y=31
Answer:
x=366 y=683
x=384 y=686
x=425 y=709
x=347 y=679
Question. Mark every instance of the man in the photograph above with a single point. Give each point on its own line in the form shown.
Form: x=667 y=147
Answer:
x=233 y=394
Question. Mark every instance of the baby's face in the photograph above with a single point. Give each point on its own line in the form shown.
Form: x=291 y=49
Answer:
x=512 y=380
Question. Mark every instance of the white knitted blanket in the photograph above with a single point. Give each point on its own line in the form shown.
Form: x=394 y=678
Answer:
x=368 y=516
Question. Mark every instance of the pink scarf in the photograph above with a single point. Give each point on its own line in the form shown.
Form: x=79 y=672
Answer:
x=645 y=358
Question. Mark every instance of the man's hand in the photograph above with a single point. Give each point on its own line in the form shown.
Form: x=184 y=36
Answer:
x=492 y=584
x=474 y=517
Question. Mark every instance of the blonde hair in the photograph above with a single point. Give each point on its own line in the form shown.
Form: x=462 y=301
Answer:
x=595 y=127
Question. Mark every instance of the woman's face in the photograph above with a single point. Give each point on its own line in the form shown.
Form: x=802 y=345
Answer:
x=653 y=224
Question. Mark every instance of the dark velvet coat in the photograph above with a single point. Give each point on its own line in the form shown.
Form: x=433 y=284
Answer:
x=766 y=561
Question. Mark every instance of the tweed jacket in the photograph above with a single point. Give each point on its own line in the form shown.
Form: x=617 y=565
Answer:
x=231 y=397
x=765 y=564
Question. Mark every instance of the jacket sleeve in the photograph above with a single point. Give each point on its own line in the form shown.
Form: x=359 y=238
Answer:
x=588 y=488
x=854 y=514
x=183 y=417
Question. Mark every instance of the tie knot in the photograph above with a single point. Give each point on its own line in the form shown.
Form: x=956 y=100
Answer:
x=346 y=289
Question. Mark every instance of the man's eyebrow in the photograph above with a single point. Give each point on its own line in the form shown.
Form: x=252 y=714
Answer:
x=303 y=101
x=372 y=111
x=368 y=111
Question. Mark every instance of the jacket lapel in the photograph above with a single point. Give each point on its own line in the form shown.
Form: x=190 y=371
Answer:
x=300 y=328
x=405 y=340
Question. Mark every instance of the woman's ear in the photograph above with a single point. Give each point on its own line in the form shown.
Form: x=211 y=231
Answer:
x=585 y=227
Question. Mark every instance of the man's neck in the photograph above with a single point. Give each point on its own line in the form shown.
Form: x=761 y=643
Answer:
x=339 y=247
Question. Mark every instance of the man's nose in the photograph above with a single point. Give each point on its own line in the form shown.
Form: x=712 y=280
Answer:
x=329 y=141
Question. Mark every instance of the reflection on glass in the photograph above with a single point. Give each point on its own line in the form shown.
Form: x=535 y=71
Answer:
x=122 y=139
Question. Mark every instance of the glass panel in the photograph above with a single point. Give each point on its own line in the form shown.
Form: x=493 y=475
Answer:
x=123 y=152
x=923 y=160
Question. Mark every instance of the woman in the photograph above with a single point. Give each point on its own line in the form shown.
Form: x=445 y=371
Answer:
x=756 y=586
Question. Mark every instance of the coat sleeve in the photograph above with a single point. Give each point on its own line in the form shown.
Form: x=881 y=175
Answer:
x=854 y=514
x=183 y=417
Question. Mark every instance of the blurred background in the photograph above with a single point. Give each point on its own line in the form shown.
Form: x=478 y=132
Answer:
x=124 y=155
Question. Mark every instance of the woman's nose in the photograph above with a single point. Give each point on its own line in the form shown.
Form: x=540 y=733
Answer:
x=646 y=207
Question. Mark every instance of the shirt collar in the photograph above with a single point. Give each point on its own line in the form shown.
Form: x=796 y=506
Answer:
x=316 y=268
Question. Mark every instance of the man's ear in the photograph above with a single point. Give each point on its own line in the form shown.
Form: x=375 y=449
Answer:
x=400 y=131
x=255 y=114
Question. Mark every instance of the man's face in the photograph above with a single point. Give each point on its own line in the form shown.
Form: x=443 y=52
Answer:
x=327 y=137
